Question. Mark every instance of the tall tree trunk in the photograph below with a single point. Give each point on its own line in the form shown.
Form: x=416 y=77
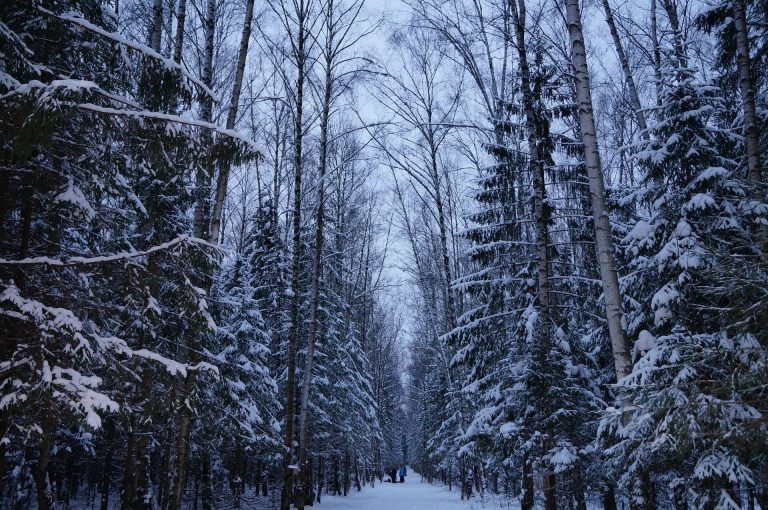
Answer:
x=609 y=498
x=205 y=171
x=178 y=45
x=207 y=481
x=136 y=473
x=106 y=467
x=317 y=261
x=156 y=28
x=186 y=417
x=450 y=306
x=602 y=224
x=320 y=477
x=181 y=18
x=222 y=182
x=550 y=496
x=656 y=51
x=187 y=384
x=527 y=497
x=335 y=475
x=580 y=498
x=167 y=469
x=347 y=468
x=4 y=428
x=541 y=209
x=677 y=34
x=643 y=495
x=746 y=86
x=634 y=99
x=129 y=476
x=293 y=334
x=42 y=483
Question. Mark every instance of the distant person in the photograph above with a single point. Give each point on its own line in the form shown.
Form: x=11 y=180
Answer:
x=393 y=475
x=402 y=474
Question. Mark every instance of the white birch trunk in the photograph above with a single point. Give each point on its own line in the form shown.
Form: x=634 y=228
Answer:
x=156 y=29
x=302 y=7
x=746 y=86
x=603 y=239
x=317 y=262
x=656 y=51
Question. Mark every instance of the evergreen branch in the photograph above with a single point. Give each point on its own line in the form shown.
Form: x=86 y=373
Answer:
x=81 y=261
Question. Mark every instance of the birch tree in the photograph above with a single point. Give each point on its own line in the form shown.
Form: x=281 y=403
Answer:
x=339 y=22
x=297 y=20
x=603 y=239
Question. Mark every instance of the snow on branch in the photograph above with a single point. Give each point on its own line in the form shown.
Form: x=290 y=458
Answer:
x=82 y=334
x=90 y=86
x=79 y=261
x=146 y=50
x=147 y=114
x=71 y=85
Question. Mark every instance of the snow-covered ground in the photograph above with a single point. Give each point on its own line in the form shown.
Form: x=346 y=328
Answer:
x=411 y=495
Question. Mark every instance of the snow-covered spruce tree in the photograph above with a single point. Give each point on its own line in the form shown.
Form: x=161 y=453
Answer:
x=535 y=394
x=485 y=59
x=347 y=378
x=345 y=397
x=737 y=283
x=96 y=167
x=269 y=264
x=246 y=430
x=51 y=206
x=169 y=311
x=693 y=414
x=743 y=58
x=484 y=334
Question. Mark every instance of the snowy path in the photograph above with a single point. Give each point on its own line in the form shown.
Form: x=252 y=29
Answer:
x=412 y=495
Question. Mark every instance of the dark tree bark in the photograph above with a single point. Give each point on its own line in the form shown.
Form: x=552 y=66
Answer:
x=527 y=497
x=634 y=98
x=42 y=483
x=609 y=498
x=106 y=466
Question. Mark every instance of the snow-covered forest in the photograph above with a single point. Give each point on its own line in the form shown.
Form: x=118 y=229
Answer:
x=256 y=253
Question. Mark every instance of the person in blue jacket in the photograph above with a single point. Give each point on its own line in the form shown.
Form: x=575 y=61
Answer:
x=402 y=473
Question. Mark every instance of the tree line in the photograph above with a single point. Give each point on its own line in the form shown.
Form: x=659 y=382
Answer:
x=594 y=316
x=188 y=232
x=204 y=205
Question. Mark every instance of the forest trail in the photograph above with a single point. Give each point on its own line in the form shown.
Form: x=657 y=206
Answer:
x=414 y=494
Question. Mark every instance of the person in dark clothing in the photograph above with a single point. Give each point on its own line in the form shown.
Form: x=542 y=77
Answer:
x=393 y=475
x=402 y=474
